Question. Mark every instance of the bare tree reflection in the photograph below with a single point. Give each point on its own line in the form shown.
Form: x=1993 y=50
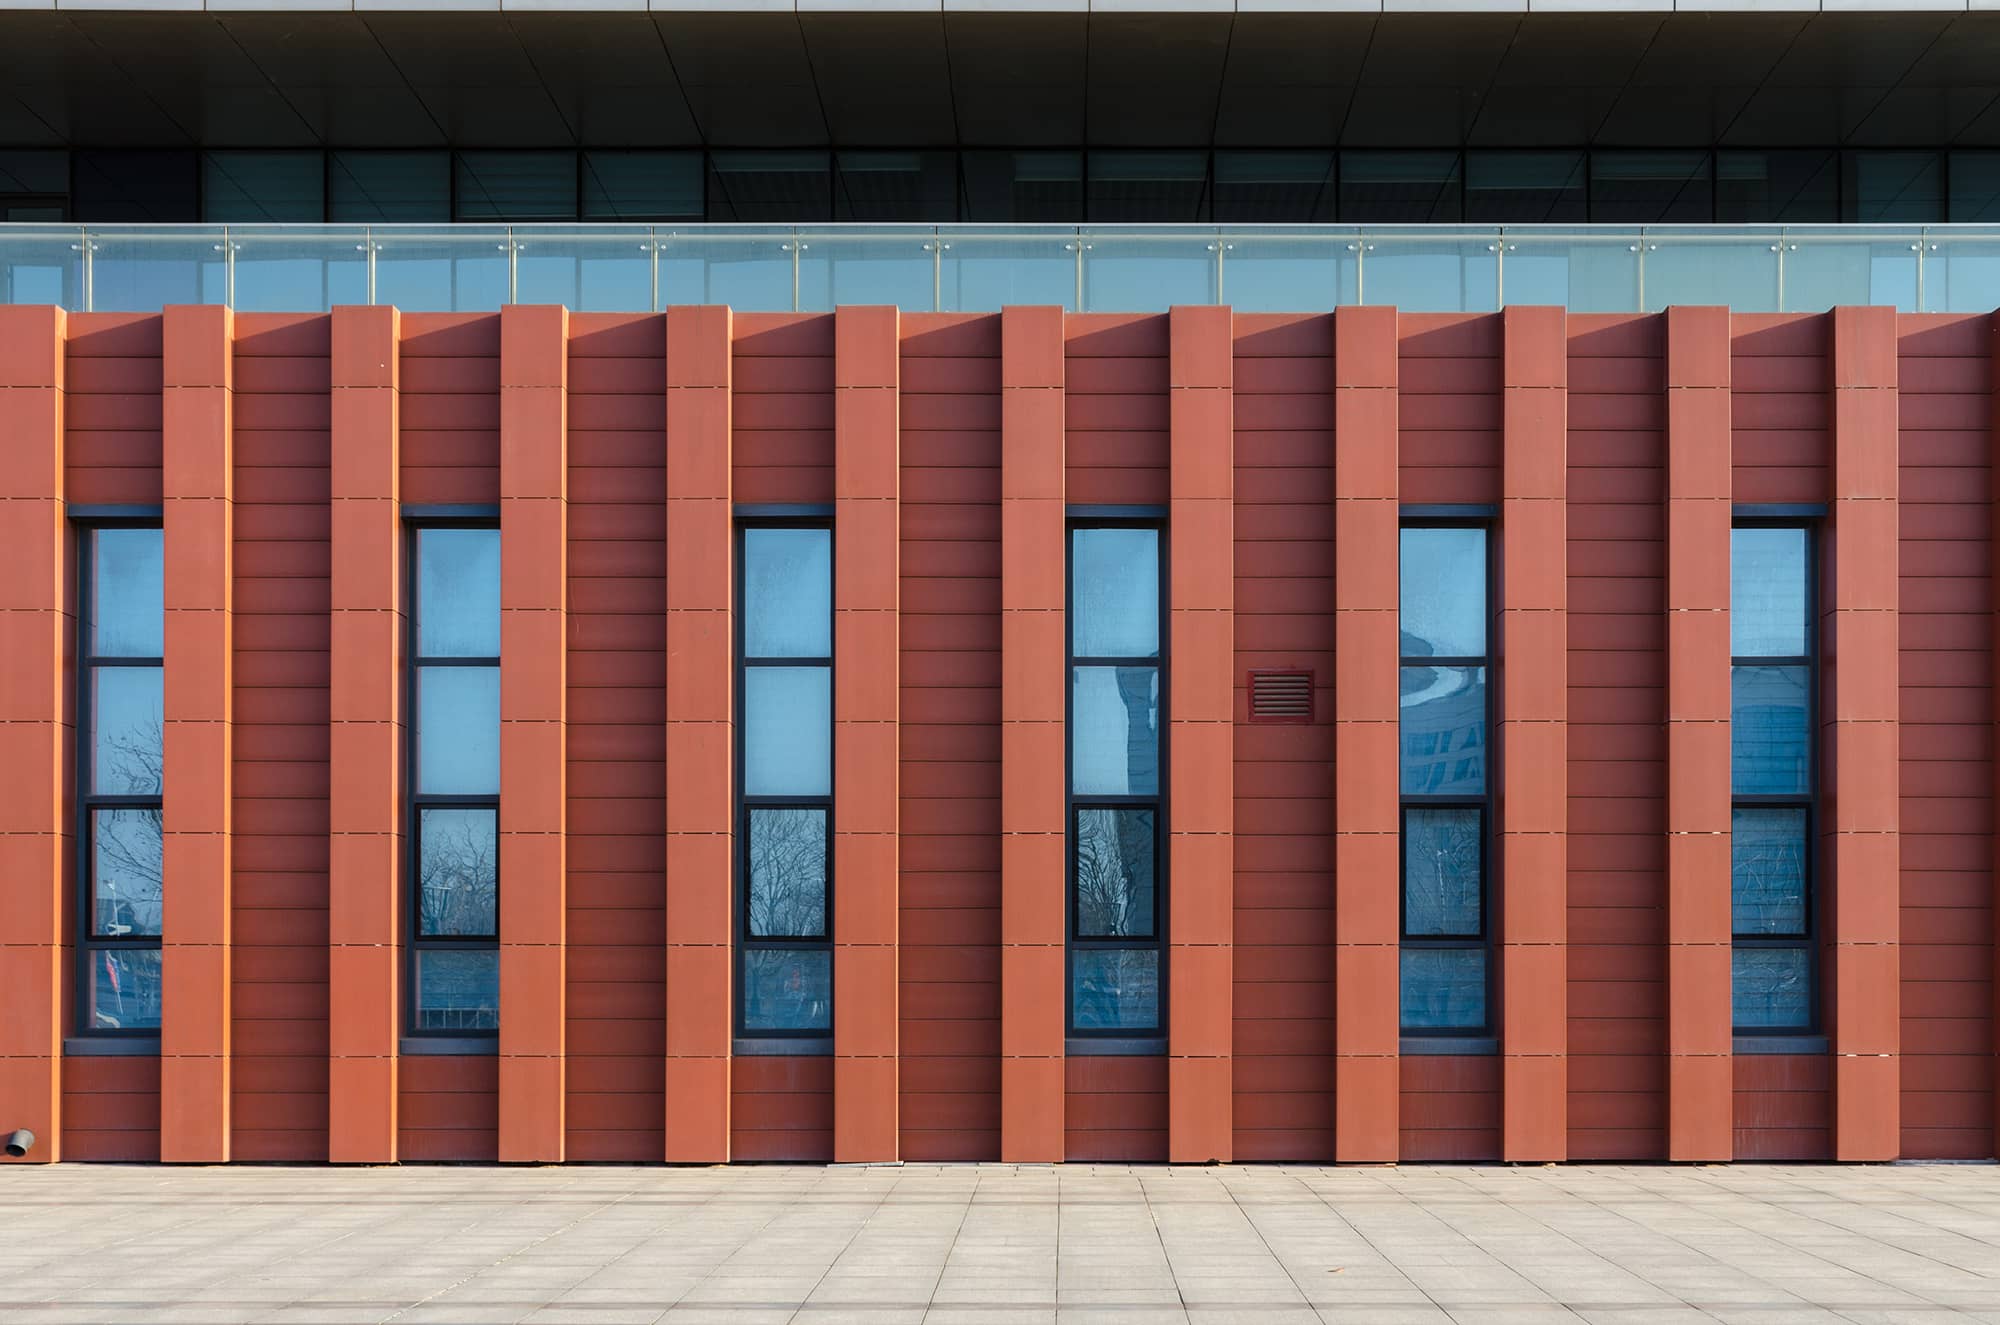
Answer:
x=459 y=872
x=788 y=872
x=1114 y=872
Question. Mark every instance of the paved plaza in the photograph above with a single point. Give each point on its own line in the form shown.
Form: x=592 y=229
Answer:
x=997 y=1245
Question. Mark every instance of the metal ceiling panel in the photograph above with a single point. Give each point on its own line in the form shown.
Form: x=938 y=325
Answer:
x=884 y=80
x=1018 y=80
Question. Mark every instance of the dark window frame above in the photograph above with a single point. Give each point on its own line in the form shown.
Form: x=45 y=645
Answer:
x=1484 y=803
x=745 y=803
x=88 y=946
x=415 y=801
x=1076 y=803
x=1808 y=940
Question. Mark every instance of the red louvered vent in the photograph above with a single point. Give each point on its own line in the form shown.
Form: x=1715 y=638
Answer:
x=1281 y=696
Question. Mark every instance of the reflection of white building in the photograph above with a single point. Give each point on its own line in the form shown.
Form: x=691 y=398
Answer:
x=1117 y=721
x=1443 y=727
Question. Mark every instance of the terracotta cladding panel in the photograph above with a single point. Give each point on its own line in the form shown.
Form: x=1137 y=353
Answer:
x=111 y=408
x=949 y=957
x=1947 y=1030
x=1283 y=1105
x=1115 y=1109
x=1779 y=407
x=1617 y=782
x=448 y=1109
x=781 y=1109
x=781 y=408
x=1450 y=1108
x=616 y=999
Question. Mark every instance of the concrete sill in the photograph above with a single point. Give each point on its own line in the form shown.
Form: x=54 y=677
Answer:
x=1450 y=1046
x=109 y=1046
x=782 y=1046
x=1132 y=1046
x=1749 y=1046
x=450 y=1046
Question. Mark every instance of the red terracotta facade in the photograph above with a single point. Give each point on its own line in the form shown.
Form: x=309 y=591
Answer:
x=1611 y=449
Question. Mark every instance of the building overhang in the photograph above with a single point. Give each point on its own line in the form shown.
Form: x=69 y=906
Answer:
x=995 y=73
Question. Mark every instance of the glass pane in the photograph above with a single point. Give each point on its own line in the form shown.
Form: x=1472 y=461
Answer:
x=458 y=593
x=1442 y=863
x=1273 y=187
x=1115 y=593
x=641 y=186
x=1399 y=188
x=1770 y=988
x=1444 y=989
x=1146 y=186
x=127 y=600
x=263 y=186
x=1115 y=731
x=1115 y=989
x=787 y=593
x=770 y=186
x=1767 y=870
x=138 y=187
x=787 y=989
x=458 y=857
x=1651 y=188
x=458 y=731
x=1023 y=186
x=788 y=873
x=1444 y=593
x=124 y=989
x=404 y=187
x=787 y=731
x=1444 y=731
x=1770 y=749
x=1791 y=186
x=1512 y=187
x=1895 y=186
x=1115 y=873
x=1975 y=186
x=127 y=731
x=1144 y=270
x=516 y=186
x=895 y=186
x=1768 y=608
x=126 y=863
x=458 y=989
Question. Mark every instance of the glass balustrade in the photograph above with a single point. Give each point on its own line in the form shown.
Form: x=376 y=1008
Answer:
x=971 y=268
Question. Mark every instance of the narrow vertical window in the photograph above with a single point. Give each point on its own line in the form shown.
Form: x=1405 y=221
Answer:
x=1445 y=779
x=1116 y=692
x=785 y=788
x=1772 y=781
x=121 y=731
x=455 y=780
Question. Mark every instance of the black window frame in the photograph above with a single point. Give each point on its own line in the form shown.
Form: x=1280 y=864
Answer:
x=1482 y=942
x=1074 y=804
x=1808 y=940
x=745 y=804
x=415 y=801
x=87 y=801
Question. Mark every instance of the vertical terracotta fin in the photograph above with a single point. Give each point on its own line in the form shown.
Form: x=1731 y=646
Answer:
x=198 y=478
x=1367 y=819
x=35 y=871
x=367 y=741
x=866 y=734
x=1034 y=836
x=534 y=559
x=1700 y=1061
x=1533 y=744
x=700 y=735
x=1201 y=804
x=1859 y=722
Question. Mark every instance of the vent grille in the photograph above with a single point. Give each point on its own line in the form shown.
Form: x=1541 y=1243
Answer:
x=1281 y=696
